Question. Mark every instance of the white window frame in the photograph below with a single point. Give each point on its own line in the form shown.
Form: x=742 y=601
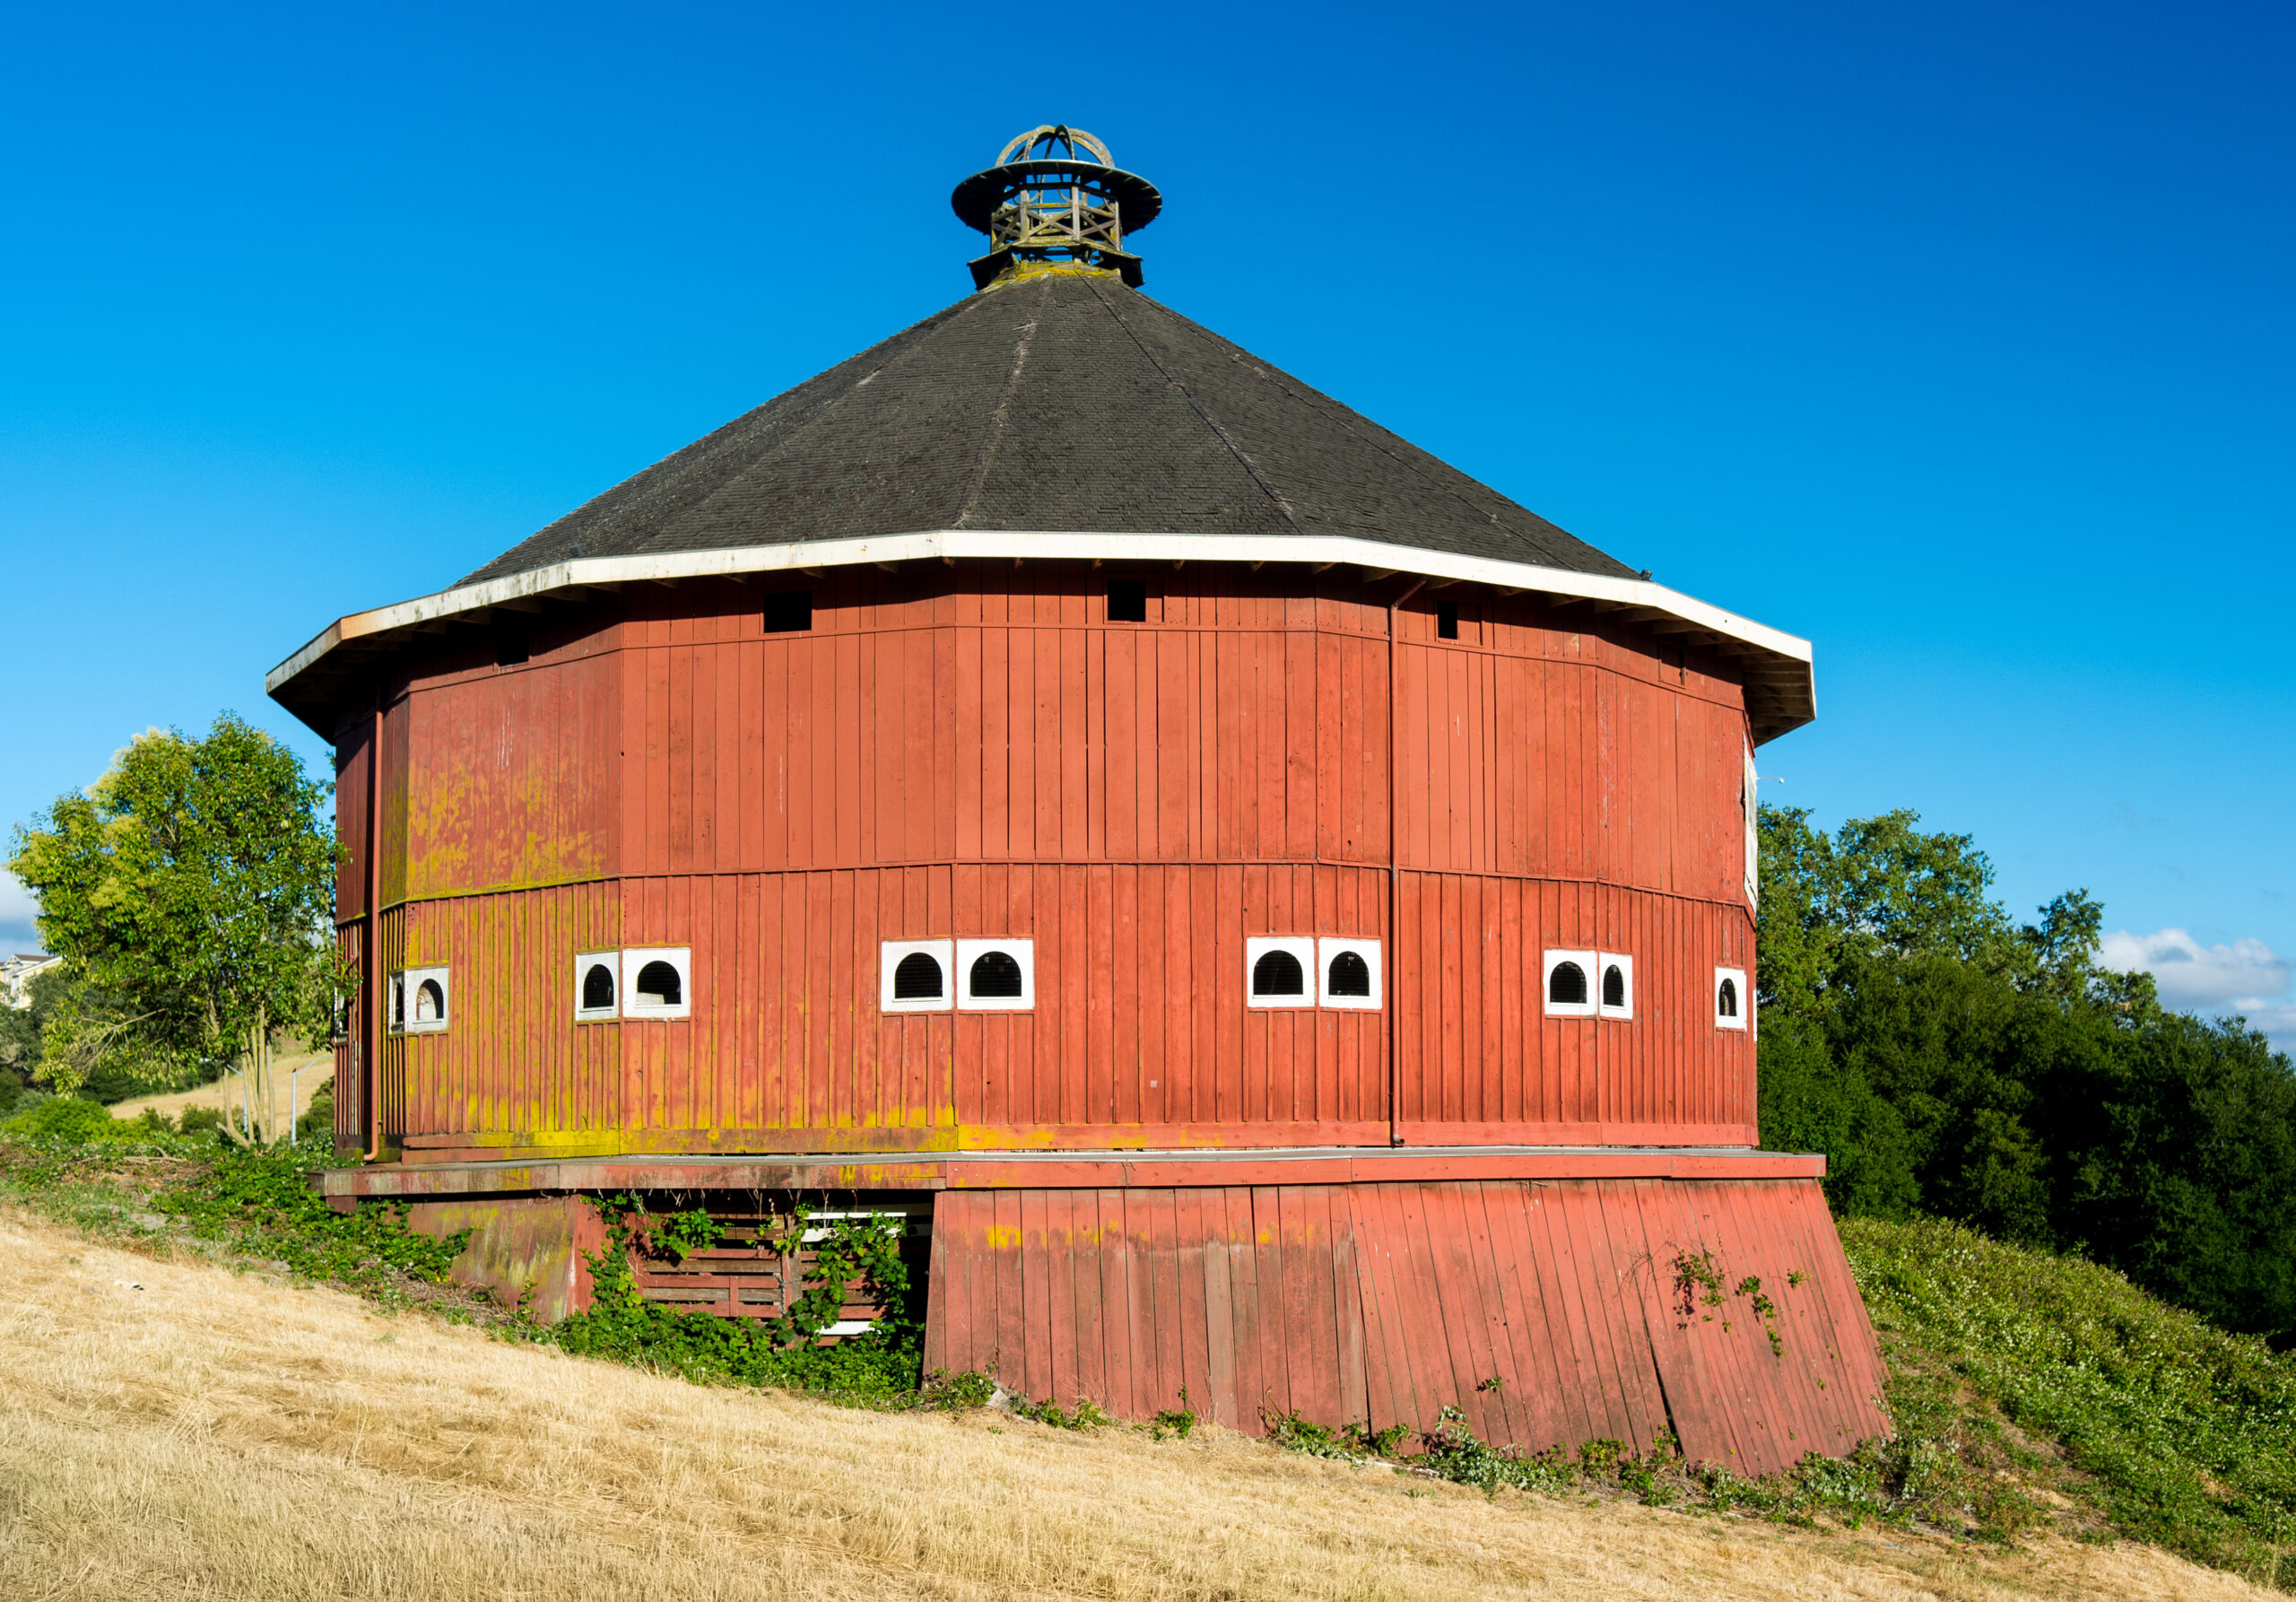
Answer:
x=394 y=1003
x=583 y=963
x=1745 y=1000
x=1569 y=1009
x=969 y=951
x=1604 y=963
x=1302 y=948
x=1328 y=947
x=889 y=953
x=412 y=980
x=1752 y=806
x=633 y=963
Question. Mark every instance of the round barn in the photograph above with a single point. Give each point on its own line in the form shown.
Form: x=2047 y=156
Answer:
x=1270 y=914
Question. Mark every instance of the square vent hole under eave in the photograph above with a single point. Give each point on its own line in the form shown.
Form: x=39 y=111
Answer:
x=788 y=611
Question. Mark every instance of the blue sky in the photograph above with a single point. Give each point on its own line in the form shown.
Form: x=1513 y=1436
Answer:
x=1958 y=338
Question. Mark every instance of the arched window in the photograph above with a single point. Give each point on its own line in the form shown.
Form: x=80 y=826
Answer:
x=658 y=985
x=1566 y=985
x=1614 y=986
x=1725 y=999
x=918 y=978
x=995 y=977
x=1279 y=973
x=597 y=986
x=1349 y=972
x=419 y=1000
x=1734 y=1003
x=915 y=976
x=597 y=989
x=996 y=974
x=657 y=981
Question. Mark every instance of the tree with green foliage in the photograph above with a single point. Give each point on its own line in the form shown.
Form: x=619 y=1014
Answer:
x=1951 y=1062
x=191 y=892
x=23 y=1030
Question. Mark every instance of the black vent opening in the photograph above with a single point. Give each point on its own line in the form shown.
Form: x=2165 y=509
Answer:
x=1447 y=620
x=1726 y=1000
x=658 y=985
x=598 y=988
x=995 y=977
x=790 y=611
x=1614 y=986
x=1128 y=600
x=1567 y=985
x=1278 y=973
x=918 y=978
x=1350 y=975
x=511 y=647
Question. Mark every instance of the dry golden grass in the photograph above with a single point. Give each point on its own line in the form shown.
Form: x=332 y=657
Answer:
x=216 y=1435
x=225 y=1094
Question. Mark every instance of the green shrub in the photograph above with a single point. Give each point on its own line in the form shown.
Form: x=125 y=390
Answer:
x=317 y=1126
x=70 y=1121
x=882 y=1366
x=260 y=1201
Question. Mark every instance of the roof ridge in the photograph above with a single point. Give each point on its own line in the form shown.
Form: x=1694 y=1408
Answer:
x=997 y=420
x=821 y=413
x=1310 y=397
x=909 y=338
x=1250 y=467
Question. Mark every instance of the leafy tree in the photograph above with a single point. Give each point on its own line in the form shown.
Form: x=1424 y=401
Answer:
x=20 y=1028
x=190 y=891
x=1950 y=1061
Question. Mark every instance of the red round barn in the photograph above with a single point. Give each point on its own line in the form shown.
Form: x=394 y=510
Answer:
x=1273 y=915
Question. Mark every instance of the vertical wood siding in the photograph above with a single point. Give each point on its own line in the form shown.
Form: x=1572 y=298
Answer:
x=978 y=752
x=1385 y=1303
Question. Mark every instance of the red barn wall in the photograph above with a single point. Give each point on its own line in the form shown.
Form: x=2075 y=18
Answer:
x=941 y=757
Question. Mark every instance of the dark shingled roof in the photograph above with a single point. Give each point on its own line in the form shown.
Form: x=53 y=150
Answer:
x=1060 y=401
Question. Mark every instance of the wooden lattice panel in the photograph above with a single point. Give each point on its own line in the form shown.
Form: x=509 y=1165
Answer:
x=747 y=1276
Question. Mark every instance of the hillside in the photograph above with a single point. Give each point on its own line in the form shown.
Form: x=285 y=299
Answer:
x=173 y=1428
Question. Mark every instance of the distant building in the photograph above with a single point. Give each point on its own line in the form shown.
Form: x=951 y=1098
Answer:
x=16 y=976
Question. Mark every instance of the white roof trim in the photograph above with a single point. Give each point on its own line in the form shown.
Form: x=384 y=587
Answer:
x=1029 y=545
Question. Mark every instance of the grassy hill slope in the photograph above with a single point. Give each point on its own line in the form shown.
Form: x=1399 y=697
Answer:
x=170 y=1428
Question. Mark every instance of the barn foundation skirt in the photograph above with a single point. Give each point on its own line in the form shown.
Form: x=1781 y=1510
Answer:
x=1548 y=1313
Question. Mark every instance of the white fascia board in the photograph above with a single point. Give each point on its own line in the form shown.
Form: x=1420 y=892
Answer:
x=1028 y=545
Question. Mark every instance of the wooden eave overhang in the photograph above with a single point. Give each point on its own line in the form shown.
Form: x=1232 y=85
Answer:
x=1775 y=667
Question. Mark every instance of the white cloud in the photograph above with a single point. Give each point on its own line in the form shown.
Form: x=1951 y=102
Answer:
x=2277 y=1019
x=2242 y=978
x=16 y=910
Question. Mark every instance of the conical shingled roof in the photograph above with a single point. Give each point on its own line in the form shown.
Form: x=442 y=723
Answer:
x=1057 y=400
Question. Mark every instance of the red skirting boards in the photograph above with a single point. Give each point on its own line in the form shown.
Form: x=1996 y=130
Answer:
x=1598 y=1307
